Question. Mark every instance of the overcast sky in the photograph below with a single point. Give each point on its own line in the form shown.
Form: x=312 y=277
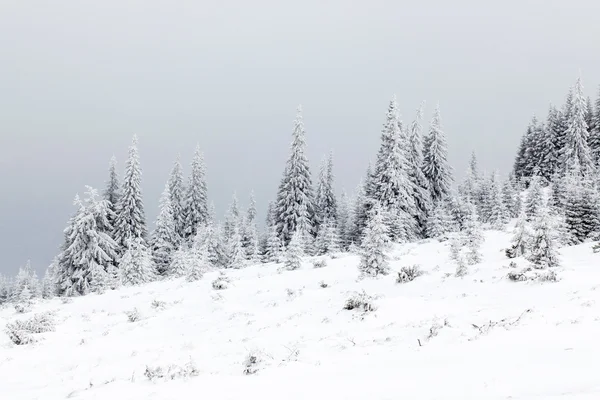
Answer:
x=79 y=78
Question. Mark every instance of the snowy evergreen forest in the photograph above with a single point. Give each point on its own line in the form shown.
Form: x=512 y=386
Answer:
x=408 y=194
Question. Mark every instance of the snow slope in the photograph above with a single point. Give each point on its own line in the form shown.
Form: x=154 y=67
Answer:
x=544 y=340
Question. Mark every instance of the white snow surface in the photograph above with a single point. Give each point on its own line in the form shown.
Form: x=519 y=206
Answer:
x=544 y=342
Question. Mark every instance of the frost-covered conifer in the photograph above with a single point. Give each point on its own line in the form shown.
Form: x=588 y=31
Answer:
x=196 y=211
x=511 y=198
x=180 y=263
x=233 y=218
x=131 y=219
x=26 y=278
x=112 y=193
x=439 y=222
x=273 y=251
x=499 y=216
x=420 y=184
x=543 y=252
x=521 y=238
x=576 y=152
x=435 y=162
x=473 y=237
x=534 y=199
x=581 y=212
x=176 y=196
x=294 y=252
x=294 y=205
x=236 y=258
x=49 y=289
x=391 y=187
x=197 y=257
x=344 y=218
x=5 y=289
x=164 y=239
x=325 y=201
x=374 y=260
x=89 y=253
x=594 y=138
x=136 y=265
x=361 y=207
x=328 y=240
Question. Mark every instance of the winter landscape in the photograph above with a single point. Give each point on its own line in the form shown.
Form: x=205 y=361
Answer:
x=371 y=246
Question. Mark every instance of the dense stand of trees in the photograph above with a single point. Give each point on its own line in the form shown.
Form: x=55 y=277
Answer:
x=405 y=195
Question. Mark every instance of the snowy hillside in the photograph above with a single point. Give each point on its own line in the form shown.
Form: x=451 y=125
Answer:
x=437 y=337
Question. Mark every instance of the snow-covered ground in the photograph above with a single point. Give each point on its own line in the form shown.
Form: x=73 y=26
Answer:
x=492 y=338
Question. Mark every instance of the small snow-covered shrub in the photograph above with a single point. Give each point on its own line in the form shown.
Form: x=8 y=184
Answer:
x=461 y=268
x=252 y=363
x=66 y=300
x=171 y=372
x=408 y=274
x=22 y=308
x=323 y=284
x=158 y=304
x=360 y=301
x=531 y=274
x=436 y=327
x=222 y=282
x=321 y=263
x=133 y=315
x=547 y=276
x=20 y=332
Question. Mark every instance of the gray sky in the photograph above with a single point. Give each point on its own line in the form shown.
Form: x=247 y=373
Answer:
x=78 y=78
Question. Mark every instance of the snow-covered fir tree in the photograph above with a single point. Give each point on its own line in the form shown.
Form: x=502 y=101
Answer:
x=236 y=257
x=294 y=252
x=499 y=215
x=136 y=265
x=534 y=199
x=511 y=198
x=164 y=240
x=581 y=210
x=196 y=211
x=87 y=261
x=49 y=288
x=273 y=251
x=576 y=152
x=325 y=201
x=473 y=236
x=328 y=239
x=594 y=138
x=344 y=220
x=391 y=187
x=362 y=205
x=521 y=238
x=197 y=257
x=543 y=253
x=439 y=222
x=435 y=159
x=26 y=278
x=131 y=218
x=180 y=263
x=374 y=259
x=294 y=206
x=176 y=197
x=112 y=193
x=233 y=218
x=5 y=289
x=420 y=184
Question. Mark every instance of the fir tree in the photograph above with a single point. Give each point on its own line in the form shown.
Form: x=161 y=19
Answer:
x=294 y=252
x=328 y=240
x=589 y=116
x=374 y=260
x=391 y=185
x=136 y=265
x=131 y=219
x=235 y=253
x=581 y=211
x=594 y=139
x=196 y=213
x=49 y=288
x=165 y=239
x=576 y=152
x=543 y=252
x=511 y=198
x=498 y=213
x=325 y=202
x=180 y=263
x=420 y=184
x=176 y=193
x=233 y=218
x=534 y=200
x=112 y=193
x=344 y=218
x=89 y=253
x=473 y=237
x=439 y=222
x=294 y=206
x=273 y=251
x=251 y=212
x=521 y=238
x=26 y=278
x=435 y=162
x=362 y=204
x=5 y=289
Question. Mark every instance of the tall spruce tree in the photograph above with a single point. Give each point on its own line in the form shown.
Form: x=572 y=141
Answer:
x=576 y=152
x=420 y=184
x=374 y=259
x=391 y=185
x=325 y=200
x=131 y=219
x=344 y=218
x=294 y=206
x=196 y=213
x=177 y=193
x=112 y=193
x=534 y=200
x=543 y=246
x=136 y=266
x=581 y=210
x=89 y=254
x=499 y=215
x=594 y=139
x=435 y=162
x=164 y=239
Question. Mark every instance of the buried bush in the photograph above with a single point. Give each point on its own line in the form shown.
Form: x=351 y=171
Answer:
x=222 y=282
x=360 y=301
x=408 y=274
x=171 y=372
x=20 y=332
